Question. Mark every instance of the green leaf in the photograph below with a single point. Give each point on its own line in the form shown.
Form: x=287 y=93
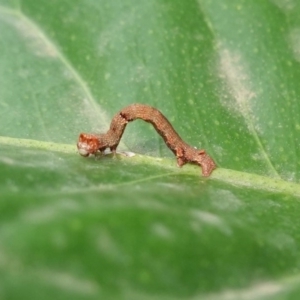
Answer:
x=226 y=74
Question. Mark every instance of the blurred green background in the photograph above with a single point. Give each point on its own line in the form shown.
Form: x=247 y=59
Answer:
x=226 y=74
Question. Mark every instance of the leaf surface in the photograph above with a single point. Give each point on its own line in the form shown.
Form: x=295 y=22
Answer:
x=226 y=75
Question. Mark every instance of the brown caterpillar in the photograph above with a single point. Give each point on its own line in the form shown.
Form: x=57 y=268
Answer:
x=94 y=143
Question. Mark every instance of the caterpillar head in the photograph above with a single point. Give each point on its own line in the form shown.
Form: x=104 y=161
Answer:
x=88 y=144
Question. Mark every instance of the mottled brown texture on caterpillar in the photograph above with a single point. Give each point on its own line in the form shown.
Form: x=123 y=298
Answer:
x=93 y=143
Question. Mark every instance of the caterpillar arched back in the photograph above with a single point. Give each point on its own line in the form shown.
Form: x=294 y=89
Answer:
x=92 y=143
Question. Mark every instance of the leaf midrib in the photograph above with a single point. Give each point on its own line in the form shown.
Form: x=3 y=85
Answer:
x=236 y=178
